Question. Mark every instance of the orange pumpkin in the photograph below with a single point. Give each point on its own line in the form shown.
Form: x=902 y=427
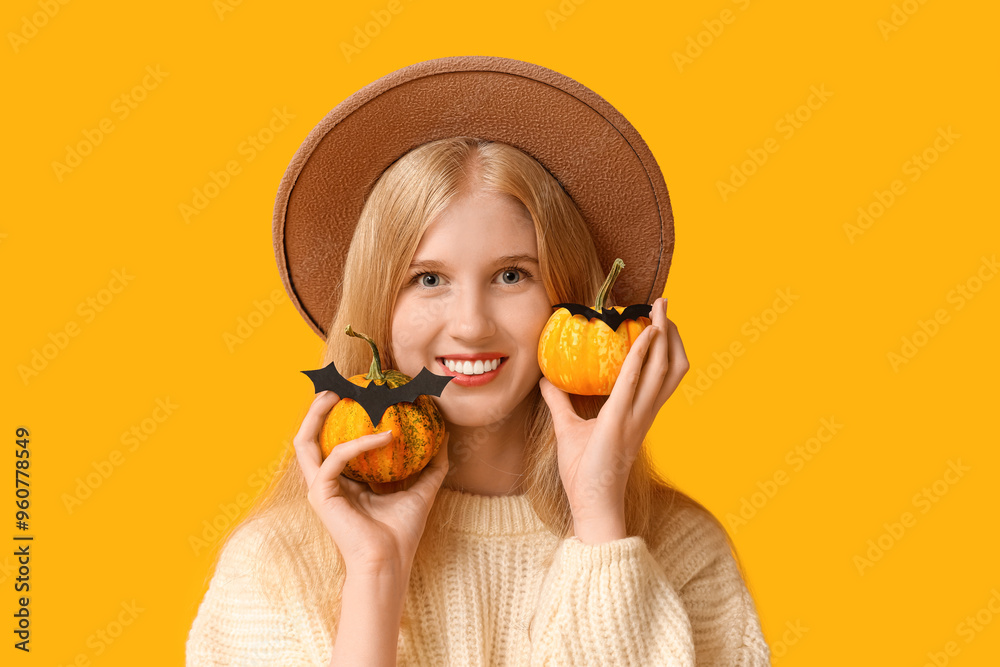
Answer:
x=417 y=428
x=580 y=352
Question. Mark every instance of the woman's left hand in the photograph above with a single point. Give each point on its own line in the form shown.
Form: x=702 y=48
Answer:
x=596 y=455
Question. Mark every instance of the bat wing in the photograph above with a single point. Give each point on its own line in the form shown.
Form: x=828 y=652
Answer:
x=329 y=378
x=579 y=309
x=376 y=399
x=633 y=312
x=609 y=316
x=425 y=384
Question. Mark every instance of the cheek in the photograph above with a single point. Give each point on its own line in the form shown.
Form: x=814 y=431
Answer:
x=410 y=334
x=540 y=314
x=397 y=333
x=398 y=336
x=527 y=323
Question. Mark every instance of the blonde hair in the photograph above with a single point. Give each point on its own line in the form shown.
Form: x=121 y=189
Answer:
x=400 y=206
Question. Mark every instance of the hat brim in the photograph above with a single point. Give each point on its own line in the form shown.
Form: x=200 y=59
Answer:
x=600 y=160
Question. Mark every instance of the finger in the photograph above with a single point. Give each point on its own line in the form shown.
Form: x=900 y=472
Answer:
x=654 y=371
x=306 y=441
x=679 y=365
x=385 y=488
x=401 y=485
x=623 y=393
x=559 y=404
x=408 y=482
x=326 y=484
x=430 y=478
x=350 y=488
x=427 y=473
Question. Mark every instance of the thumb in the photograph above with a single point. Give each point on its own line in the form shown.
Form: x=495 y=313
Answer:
x=430 y=479
x=559 y=404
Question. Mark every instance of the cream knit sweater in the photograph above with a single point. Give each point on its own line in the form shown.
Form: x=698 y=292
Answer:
x=480 y=594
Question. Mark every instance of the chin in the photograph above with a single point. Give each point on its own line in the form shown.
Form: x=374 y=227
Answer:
x=474 y=411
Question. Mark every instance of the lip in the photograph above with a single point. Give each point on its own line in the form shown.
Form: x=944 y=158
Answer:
x=473 y=380
x=479 y=356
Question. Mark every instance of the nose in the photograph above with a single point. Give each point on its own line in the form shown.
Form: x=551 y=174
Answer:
x=470 y=317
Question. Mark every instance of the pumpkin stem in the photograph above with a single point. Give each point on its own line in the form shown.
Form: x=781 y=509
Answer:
x=616 y=268
x=375 y=372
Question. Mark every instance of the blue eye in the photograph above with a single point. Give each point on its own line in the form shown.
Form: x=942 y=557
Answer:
x=525 y=274
x=418 y=279
x=511 y=270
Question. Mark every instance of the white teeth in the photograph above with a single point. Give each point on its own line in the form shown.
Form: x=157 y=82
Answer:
x=472 y=368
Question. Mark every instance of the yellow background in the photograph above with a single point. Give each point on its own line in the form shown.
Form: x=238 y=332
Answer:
x=163 y=335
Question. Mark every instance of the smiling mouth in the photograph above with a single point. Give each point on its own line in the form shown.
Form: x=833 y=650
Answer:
x=471 y=368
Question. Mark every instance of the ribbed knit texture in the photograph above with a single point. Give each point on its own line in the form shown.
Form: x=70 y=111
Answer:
x=480 y=594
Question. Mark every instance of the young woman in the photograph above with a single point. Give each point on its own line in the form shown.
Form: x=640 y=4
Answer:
x=540 y=533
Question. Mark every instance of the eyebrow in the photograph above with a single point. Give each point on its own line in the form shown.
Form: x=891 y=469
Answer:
x=435 y=265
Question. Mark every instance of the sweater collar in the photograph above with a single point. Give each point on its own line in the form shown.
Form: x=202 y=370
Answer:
x=486 y=516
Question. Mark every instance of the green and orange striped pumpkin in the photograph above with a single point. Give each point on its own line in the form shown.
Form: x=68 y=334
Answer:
x=417 y=428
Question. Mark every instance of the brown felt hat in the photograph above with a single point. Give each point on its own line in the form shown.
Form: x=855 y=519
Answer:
x=596 y=155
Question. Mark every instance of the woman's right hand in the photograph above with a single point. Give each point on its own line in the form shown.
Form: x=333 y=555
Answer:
x=376 y=533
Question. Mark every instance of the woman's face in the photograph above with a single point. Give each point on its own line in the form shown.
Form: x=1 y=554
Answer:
x=474 y=295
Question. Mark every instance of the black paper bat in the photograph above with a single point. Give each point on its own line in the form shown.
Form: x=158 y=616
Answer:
x=376 y=399
x=610 y=316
